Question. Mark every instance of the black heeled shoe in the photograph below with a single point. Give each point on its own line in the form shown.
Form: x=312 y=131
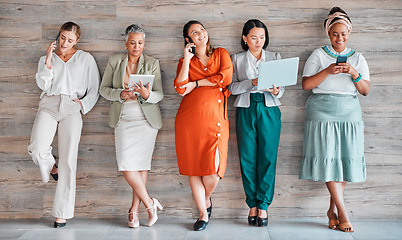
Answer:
x=200 y=225
x=252 y=220
x=262 y=222
x=59 y=225
x=55 y=176
x=209 y=210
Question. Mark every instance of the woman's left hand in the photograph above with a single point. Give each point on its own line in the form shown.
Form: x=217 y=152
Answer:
x=79 y=101
x=347 y=68
x=141 y=89
x=189 y=87
x=274 y=90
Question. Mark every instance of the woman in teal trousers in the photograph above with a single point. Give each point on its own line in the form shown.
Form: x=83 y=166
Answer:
x=258 y=121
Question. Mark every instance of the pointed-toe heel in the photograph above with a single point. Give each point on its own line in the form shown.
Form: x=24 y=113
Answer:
x=55 y=176
x=209 y=210
x=152 y=220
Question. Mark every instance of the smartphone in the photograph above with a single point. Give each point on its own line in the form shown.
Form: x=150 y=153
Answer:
x=192 y=48
x=341 y=59
x=57 y=39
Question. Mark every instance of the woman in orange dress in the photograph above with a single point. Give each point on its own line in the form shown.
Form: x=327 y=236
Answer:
x=202 y=126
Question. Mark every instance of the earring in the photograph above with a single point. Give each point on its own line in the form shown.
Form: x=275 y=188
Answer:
x=245 y=42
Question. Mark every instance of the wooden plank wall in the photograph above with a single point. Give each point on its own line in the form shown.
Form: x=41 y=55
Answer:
x=27 y=27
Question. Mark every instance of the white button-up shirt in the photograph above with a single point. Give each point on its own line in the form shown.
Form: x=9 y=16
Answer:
x=79 y=75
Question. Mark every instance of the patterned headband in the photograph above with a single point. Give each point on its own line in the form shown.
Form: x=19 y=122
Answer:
x=342 y=19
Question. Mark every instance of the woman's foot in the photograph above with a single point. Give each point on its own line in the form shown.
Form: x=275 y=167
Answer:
x=153 y=212
x=252 y=216
x=262 y=220
x=333 y=220
x=344 y=223
x=133 y=220
x=59 y=222
x=209 y=208
x=55 y=172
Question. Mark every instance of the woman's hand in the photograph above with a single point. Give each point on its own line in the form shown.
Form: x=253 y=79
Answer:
x=126 y=94
x=141 y=89
x=79 y=101
x=334 y=69
x=189 y=87
x=347 y=68
x=274 y=90
x=187 y=51
x=49 y=54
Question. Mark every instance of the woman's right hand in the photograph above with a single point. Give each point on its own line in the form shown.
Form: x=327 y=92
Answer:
x=333 y=69
x=126 y=94
x=49 y=54
x=187 y=51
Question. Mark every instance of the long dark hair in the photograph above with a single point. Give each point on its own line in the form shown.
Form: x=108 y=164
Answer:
x=187 y=26
x=250 y=24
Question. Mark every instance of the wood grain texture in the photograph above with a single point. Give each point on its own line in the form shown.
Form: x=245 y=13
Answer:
x=295 y=29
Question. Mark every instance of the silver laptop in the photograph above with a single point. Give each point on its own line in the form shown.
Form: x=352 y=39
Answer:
x=280 y=73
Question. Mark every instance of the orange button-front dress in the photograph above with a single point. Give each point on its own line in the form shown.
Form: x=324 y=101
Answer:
x=202 y=125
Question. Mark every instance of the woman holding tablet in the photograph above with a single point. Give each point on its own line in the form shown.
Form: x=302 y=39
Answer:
x=69 y=80
x=135 y=116
x=333 y=144
x=202 y=126
x=258 y=121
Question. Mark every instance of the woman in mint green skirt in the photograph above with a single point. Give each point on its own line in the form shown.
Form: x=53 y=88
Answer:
x=333 y=143
x=258 y=121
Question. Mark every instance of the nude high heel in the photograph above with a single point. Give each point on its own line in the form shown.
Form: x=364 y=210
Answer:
x=133 y=223
x=155 y=207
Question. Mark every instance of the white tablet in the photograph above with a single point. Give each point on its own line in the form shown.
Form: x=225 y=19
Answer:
x=280 y=73
x=145 y=79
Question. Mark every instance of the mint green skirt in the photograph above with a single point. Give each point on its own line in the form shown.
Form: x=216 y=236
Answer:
x=333 y=142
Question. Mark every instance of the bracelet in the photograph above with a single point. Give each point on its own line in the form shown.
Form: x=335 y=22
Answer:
x=196 y=84
x=357 y=79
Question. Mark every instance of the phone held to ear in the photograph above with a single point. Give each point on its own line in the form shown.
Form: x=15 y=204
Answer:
x=57 y=39
x=192 y=48
x=341 y=59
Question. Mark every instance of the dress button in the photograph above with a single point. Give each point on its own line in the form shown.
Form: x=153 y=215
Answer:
x=220 y=89
x=205 y=69
x=219 y=101
x=221 y=81
x=218 y=124
x=218 y=134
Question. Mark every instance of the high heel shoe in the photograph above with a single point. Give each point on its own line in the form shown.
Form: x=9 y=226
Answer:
x=252 y=220
x=133 y=223
x=152 y=219
x=55 y=175
x=209 y=210
x=59 y=224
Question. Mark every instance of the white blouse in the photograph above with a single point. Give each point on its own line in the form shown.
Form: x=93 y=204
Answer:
x=245 y=69
x=340 y=83
x=79 y=75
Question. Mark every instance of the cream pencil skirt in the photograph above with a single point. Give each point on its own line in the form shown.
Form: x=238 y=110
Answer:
x=134 y=139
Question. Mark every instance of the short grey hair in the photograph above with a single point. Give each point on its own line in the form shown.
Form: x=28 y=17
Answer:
x=134 y=28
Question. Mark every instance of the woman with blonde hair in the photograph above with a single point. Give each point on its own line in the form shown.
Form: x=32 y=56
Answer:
x=69 y=80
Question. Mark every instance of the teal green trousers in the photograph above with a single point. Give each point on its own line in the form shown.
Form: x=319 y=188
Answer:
x=258 y=130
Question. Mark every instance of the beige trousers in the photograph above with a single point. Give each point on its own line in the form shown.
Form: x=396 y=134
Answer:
x=58 y=113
